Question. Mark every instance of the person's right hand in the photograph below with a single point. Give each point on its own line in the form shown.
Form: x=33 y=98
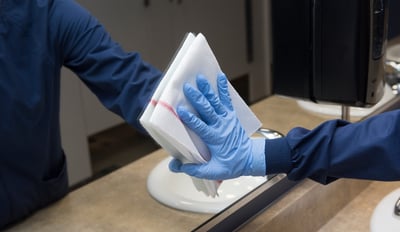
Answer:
x=233 y=153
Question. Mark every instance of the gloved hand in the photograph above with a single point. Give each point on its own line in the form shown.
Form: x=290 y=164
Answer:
x=233 y=153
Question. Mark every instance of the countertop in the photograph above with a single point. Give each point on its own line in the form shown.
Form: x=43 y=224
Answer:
x=356 y=215
x=120 y=201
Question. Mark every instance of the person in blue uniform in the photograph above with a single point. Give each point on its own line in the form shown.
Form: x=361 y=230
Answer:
x=37 y=38
x=369 y=149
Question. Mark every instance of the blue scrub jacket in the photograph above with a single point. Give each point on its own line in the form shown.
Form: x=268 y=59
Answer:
x=38 y=37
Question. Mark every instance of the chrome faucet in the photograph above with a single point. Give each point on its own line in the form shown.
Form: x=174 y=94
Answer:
x=392 y=75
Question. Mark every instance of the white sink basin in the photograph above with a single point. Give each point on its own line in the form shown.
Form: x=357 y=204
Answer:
x=383 y=218
x=176 y=190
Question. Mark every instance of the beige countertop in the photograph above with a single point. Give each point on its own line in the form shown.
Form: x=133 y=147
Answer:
x=356 y=215
x=120 y=201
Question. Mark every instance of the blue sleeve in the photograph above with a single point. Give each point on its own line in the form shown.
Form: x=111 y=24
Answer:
x=369 y=149
x=121 y=80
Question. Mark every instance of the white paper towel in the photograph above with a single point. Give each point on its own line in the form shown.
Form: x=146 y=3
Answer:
x=160 y=118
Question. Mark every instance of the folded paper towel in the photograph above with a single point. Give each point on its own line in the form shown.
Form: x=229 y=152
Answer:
x=161 y=121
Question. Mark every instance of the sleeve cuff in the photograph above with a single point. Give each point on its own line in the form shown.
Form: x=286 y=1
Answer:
x=278 y=156
x=258 y=164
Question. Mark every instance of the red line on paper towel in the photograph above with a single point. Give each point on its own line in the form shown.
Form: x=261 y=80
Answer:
x=153 y=102
x=169 y=107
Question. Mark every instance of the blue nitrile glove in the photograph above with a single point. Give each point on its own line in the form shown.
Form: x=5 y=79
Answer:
x=233 y=153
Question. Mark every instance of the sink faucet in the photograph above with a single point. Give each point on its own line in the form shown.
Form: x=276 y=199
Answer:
x=392 y=75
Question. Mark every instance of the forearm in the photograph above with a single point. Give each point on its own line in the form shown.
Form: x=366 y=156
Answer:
x=336 y=149
x=121 y=80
